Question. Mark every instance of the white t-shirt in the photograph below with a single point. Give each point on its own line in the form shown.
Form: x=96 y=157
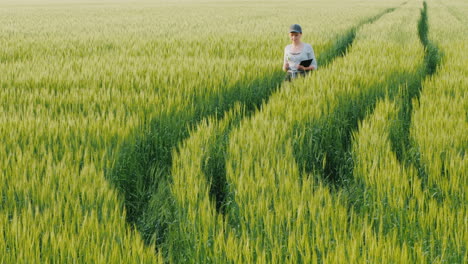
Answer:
x=294 y=58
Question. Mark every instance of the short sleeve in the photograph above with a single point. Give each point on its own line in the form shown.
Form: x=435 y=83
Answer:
x=285 y=60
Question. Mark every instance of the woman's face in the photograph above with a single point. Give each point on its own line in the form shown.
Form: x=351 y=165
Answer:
x=295 y=37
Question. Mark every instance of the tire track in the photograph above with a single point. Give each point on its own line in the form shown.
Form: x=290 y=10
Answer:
x=142 y=169
x=327 y=149
x=408 y=158
x=403 y=145
x=212 y=164
x=215 y=168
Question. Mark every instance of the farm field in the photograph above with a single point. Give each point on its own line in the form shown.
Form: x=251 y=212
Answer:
x=163 y=132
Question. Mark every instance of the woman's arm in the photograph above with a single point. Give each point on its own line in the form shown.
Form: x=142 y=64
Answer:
x=313 y=65
x=285 y=60
x=310 y=55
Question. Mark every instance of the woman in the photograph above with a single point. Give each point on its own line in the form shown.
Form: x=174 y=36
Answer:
x=296 y=52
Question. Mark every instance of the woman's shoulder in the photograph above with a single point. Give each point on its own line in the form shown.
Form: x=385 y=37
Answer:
x=287 y=47
x=308 y=46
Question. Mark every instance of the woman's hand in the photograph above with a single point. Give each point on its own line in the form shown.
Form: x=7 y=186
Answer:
x=300 y=67
x=286 y=66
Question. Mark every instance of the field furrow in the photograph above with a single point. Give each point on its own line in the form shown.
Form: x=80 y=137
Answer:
x=199 y=173
x=143 y=170
x=273 y=199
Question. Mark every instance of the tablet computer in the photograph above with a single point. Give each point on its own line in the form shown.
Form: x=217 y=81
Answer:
x=306 y=63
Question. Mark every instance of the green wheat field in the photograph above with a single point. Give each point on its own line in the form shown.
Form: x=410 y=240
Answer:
x=163 y=132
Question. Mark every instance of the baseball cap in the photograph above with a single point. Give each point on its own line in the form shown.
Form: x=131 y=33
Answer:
x=295 y=28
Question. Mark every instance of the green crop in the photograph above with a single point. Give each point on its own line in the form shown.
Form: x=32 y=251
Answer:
x=162 y=132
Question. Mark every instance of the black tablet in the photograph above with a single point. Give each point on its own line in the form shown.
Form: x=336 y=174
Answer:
x=306 y=63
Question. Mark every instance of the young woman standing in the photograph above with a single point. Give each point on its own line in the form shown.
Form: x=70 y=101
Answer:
x=296 y=52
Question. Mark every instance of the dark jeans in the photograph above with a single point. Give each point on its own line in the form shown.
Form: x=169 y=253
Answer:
x=289 y=75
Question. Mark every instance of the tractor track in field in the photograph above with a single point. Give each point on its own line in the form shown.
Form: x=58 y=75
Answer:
x=328 y=141
x=330 y=137
x=215 y=168
x=403 y=145
x=141 y=172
